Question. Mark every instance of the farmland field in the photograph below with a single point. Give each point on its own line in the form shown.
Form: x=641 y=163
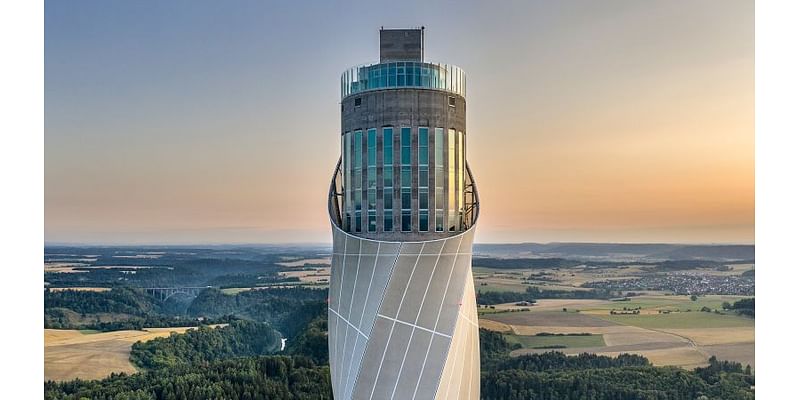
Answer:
x=680 y=320
x=70 y=354
x=567 y=341
x=682 y=338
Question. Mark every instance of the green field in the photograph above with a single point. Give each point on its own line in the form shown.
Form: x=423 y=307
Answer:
x=667 y=302
x=681 y=320
x=503 y=286
x=533 y=342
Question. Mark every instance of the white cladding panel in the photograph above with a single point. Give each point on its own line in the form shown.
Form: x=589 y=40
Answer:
x=403 y=319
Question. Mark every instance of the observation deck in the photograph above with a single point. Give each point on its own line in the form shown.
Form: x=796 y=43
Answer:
x=408 y=74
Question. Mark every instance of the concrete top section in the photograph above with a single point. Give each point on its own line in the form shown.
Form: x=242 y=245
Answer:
x=402 y=45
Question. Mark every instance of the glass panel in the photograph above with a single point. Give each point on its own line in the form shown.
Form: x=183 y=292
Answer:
x=387 y=199
x=371 y=199
x=451 y=180
x=438 y=146
x=388 y=142
x=357 y=160
x=372 y=223
x=405 y=196
x=420 y=74
x=423 y=221
x=387 y=221
x=347 y=142
x=423 y=146
x=423 y=198
x=405 y=143
x=357 y=166
x=371 y=147
x=388 y=170
x=406 y=221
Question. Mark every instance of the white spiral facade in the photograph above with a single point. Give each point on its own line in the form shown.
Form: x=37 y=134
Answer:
x=402 y=319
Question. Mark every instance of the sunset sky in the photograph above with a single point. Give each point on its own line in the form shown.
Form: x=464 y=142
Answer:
x=215 y=122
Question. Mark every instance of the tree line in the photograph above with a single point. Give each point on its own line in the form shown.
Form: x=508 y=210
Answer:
x=533 y=293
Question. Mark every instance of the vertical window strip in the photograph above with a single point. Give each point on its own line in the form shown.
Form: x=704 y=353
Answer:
x=371 y=173
x=439 y=178
x=422 y=196
x=346 y=143
x=388 y=178
x=451 y=180
x=357 y=166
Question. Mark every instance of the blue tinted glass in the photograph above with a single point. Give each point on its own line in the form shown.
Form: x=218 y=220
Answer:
x=388 y=144
x=387 y=221
x=423 y=146
x=405 y=143
x=423 y=199
x=405 y=176
x=371 y=147
x=387 y=199
x=423 y=176
x=387 y=176
x=405 y=137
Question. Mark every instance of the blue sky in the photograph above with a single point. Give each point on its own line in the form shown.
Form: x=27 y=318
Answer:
x=208 y=121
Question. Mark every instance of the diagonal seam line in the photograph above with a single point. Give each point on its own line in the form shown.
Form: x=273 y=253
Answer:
x=371 y=278
x=348 y=323
x=414 y=326
x=391 y=331
x=416 y=319
x=350 y=311
x=380 y=304
x=343 y=269
x=346 y=331
x=436 y=325
x=467 y=319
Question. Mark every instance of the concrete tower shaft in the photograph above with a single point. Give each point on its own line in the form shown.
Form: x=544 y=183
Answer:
x=403 y=205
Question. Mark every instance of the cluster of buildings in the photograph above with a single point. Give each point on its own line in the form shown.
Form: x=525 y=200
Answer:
x=683 y=283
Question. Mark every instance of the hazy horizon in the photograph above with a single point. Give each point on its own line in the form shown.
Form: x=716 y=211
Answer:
x=309 y=244
x=604 y=122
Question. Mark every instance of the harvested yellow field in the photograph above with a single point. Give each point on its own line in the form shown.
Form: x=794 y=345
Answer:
x=494 y=325
x=82 y=289
x=303 y=262
x=320 y=275
x=558 y=304
x=715 y=336
x=744 y=353
x=685 y=357
x=686 y=340
x=63 y=267
x=70 y=354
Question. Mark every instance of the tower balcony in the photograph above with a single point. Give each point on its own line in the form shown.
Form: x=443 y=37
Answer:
x=412 y=75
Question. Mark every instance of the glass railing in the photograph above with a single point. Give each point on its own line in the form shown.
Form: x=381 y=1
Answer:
x=404 y=75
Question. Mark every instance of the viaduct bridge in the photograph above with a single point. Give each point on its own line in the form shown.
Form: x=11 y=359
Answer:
x=164 y=293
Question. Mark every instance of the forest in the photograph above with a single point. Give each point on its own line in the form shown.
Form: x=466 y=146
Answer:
x=286 y=309
x=533 y=293
x=225 y=363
